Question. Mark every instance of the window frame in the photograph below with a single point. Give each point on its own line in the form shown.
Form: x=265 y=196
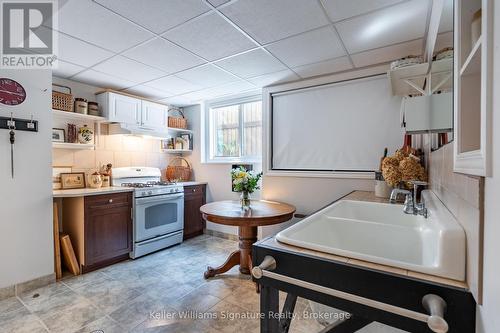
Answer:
x=209 y=135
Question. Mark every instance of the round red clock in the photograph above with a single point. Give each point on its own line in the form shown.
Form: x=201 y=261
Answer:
x=11 y=92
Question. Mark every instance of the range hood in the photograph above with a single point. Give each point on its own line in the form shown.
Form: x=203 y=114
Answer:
x=129 y=129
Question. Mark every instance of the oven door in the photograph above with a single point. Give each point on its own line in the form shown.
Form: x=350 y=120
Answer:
x=158 y=215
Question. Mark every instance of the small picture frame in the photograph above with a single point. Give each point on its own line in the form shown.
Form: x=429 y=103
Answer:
x=72 y=180
x=58 y=135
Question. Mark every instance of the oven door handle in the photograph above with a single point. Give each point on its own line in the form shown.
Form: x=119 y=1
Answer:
x=165 y=198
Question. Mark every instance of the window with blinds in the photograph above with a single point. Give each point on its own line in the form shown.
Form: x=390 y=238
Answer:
x=236 y=131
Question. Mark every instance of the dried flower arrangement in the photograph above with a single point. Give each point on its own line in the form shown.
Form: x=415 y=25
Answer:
x=402 y=167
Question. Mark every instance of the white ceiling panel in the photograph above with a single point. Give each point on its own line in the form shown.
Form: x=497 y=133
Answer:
x=392 y=25
x=103 y=80
x=164 y=55
x=446 y=23
x=148 y=92
x=229 y=89
x=157 y=15
x=250 y=64
x=89 y=21
x=340 y=9
x=274 y=78
x=77 y=52
x=217 y=3
x=174 y=85
x=324 y=67
x=387 y=54
x=65 y=69
x=313 y=46
x=211 y=37
x=268 y=21
x=207 y=76
x=128 y=69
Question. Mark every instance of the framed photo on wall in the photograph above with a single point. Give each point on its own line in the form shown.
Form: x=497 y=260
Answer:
x=72 y=180
x=58 y=135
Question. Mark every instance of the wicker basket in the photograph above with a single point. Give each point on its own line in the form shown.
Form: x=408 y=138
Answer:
x=177 y=122
x=62 y=101
x=178 y=172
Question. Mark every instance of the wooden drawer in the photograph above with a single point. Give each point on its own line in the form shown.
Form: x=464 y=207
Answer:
x=194 y=190
x=108 y=200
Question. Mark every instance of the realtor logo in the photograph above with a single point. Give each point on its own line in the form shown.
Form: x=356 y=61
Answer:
x=28 y=33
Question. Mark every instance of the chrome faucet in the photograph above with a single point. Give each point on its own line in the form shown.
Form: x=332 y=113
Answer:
x=411 y=206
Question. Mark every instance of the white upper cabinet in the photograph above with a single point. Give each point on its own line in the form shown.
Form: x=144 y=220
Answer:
x=130 y=110
x=120 y=108
x=154 y=115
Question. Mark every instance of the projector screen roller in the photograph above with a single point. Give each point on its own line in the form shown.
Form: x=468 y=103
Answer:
x=343 y=126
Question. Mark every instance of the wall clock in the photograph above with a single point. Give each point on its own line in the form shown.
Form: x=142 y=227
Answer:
x=11 y=92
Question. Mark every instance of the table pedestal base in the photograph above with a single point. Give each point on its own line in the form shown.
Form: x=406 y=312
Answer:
x=242 y=257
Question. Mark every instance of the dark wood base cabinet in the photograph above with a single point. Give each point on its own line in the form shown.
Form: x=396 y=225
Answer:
x=100 y=228
x=194 y=198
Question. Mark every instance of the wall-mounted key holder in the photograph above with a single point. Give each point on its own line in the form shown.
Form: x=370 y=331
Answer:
x=18 y=124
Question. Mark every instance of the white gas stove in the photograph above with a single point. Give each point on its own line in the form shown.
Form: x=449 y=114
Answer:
x=158 y=209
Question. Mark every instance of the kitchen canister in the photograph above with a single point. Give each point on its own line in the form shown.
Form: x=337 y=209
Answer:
x=106 y=180
x=93 y=109
x=95 y=180
x=382 y=190
x=81 y=105
x=85 y=135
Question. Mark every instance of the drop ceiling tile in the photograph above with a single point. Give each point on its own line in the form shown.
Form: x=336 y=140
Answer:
x=207 y=76
x=274 y=78
x=148 y=92
x=340 y=9
x=90 y=22
x=178 y=101
x=174 y=85
x=211 y=37
x=65 y=69
x=164 y=55
x=230 y=89
x=446 y=23
x=324 y=67
x=217 y=3
x=387 y=54
x=157 y=15
x=78 y=52
x=250 y=64
x=268 y=21
x=102 y=80
x=392 y=25
x=128 y=69
x=309 y=47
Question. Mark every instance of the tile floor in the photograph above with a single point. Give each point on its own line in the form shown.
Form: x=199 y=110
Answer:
x=143 y=295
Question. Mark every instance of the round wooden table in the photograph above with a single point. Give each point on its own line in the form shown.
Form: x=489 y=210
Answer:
x=229 y=212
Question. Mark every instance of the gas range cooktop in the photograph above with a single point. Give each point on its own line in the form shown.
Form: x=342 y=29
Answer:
x=148 y=184
x=146 y=181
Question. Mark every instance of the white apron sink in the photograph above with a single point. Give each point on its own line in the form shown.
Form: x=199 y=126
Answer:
x=383 y=234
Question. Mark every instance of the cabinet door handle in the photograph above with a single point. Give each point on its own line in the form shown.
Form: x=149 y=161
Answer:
x=194 y=190
x=110 y=200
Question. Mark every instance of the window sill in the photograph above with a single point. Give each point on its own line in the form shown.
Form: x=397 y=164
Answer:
x=235 y=161
x=313 y=174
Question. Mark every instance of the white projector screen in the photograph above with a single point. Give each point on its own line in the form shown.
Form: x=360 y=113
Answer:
x=343 y=126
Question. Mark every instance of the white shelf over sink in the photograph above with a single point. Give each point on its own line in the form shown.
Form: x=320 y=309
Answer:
x=179 y=130
x=77 y=116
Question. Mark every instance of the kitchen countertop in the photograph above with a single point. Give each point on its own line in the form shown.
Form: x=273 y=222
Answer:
x=81 y=192
x=362 y=196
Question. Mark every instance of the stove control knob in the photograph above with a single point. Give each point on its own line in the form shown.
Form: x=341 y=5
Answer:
x=150 y=192
x=177 y=190
x=143 y=193
x=171 y=190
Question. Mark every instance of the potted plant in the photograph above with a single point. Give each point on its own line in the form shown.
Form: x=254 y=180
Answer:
x=245 y=182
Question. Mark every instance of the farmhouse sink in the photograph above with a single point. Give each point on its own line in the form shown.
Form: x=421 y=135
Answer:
x=384 y=234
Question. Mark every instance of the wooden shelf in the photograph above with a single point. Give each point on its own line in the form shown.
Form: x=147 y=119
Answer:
x=472 y=65
x=179 y=130
x=177 y=151
x=417 y=75
x=67 y=145
x=77 y=116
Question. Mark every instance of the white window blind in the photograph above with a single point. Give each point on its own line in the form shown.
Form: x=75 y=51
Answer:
x=336 y=127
